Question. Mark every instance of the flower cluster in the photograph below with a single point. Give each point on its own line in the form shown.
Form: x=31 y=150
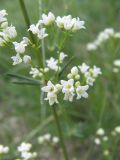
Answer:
x=48 y=138
x=116 y=64
x=25 y=152
x=52 y=64
x=79 y=80
x=69 y=23
x=20 y=50
x=106 y=140
x=7 y=33
x=102 y=37
x=4 y=149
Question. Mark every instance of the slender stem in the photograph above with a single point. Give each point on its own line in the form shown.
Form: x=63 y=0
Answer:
x=26 y=17
x=42 y=41
x=60 y=133
x=43 y=107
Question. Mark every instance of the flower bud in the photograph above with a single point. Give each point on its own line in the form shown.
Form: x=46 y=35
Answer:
x=27 y=59
x=77 y=77
x=69 y=76
x=74 y=71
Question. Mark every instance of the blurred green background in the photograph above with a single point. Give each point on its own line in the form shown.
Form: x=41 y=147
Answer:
x=20 y=117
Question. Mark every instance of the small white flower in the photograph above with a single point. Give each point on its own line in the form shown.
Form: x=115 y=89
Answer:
x=91 y=46
x=105 y=138
x=83 y=68
x=20 y=47
x=3 y=13
x=100 y=132
x=51 y=91
x=117 y=129
x=27 y=59
x=47 y=137
x=42 y=34
x=95 y=71
x=109 y=31
x=34 y=72
x=117 y=35
x=97 y=141
x=16 y=59
x=81 y=91
x=52 y=63
x=117 y=62
x=74 y=71
x=55 y=140
x=24 y=147
x=78 y=25
x=4 y=149
x=41 y=139
x=34 y=28
x=26 y=155
x=115 y=70
x=68 y=89
x=9 y=33
x=48 y=19
x=62 y=56
x=106 y=152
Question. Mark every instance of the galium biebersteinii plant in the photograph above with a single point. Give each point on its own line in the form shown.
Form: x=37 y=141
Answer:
x=103 y=37
x=75 y=83
x=107 y=141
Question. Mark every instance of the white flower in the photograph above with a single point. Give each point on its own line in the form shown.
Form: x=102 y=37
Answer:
x=41 y=34
x=81 y=91
x=100 y=132
x=52 y=64
x=48 y=19
x=51 y=91
x=83 y=68
x=105 y=138
x=69 y=23
x=97 y=141
x=20 y=47
x=28 y=155
x=74 y=71
x=78 y=25
x=59 y=22
x=106 y=152
x=117 y=35
x=41 y=139
x=47 y=137
x=24 y=147
x=34 y=72
x=115 y=70
x=109 y=31
x=95 y=71
x=55 y=140
x=9 y=33
x=16 y=59
x=117 y=62
x=117 y=129
x=62 y=56
x=68 y=89
x=4 y=149
x=89 y=79
x=34 y=28
x=91 y=46
x=3 y=13
x=27 y=59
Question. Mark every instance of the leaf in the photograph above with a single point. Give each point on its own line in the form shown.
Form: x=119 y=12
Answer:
x=65 y=66
x=20 y=79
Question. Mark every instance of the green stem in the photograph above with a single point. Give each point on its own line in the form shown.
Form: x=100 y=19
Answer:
x=26 y=17
x=60 y=133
